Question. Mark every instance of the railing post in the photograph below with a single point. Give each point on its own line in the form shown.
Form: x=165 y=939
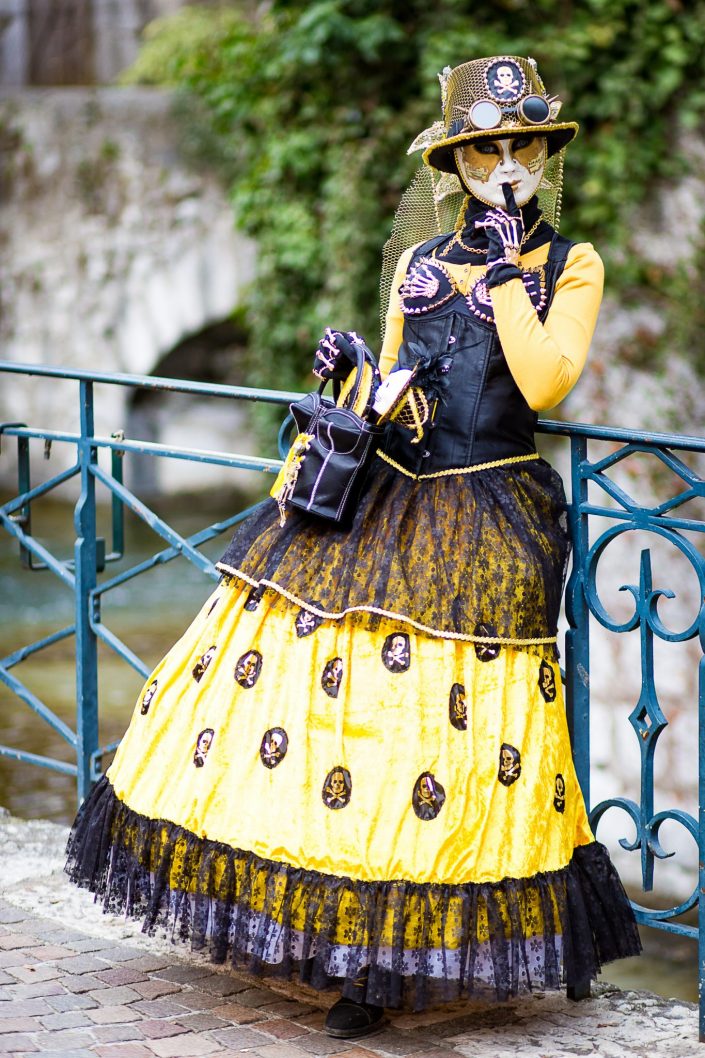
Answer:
x=86 y=578
x=577 y=640
x=577 y=645
x=701 y=836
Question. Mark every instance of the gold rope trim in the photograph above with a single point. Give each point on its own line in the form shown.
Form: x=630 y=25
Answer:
x=233 y=572
x=457 y=470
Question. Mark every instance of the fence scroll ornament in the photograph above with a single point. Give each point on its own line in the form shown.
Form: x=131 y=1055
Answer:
x=666 y=522
x=610 y=518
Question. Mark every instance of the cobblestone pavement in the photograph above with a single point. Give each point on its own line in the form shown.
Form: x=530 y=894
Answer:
x=75 y=982
x=66 y=994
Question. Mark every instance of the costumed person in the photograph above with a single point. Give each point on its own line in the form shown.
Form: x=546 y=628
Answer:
x=354 y=768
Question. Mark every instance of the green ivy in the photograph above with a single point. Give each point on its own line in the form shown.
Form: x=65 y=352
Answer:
x=307 y=110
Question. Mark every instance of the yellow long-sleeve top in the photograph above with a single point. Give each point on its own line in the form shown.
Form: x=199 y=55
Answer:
x=545 y=359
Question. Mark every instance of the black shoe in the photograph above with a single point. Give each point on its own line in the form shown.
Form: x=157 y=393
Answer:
x=348 y=1020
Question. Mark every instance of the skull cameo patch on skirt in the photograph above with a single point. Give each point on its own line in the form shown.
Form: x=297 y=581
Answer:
x=396 y=652
x=428 y=797
x=509 y=764
x=248 y=669
x=337 y=788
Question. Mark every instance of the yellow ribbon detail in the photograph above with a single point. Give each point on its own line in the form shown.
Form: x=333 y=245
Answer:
x=286 y=479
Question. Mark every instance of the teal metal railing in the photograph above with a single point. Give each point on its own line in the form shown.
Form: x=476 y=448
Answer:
x=600 y=511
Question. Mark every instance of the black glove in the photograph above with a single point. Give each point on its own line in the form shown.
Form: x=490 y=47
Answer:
x=505 y=232
x=335 y=357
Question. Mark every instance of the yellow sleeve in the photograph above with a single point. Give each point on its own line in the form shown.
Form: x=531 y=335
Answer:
x=394 y=320
x=546 y=359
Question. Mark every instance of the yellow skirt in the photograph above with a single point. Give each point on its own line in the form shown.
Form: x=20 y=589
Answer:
x=323 y=798
x=374 y=755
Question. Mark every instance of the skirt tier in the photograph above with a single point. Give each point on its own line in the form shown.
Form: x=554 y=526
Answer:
x=349 y=766
x=445 y=555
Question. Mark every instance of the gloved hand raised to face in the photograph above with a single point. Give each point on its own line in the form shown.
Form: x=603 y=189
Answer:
x=505 y=231
x=336 y=356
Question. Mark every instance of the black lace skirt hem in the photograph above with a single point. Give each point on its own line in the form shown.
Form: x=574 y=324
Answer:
x=413 y=944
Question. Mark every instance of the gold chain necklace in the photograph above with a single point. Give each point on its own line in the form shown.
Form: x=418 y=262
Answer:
x=457 y=240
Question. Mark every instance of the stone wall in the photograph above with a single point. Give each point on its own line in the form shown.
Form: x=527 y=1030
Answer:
x=69 y=42
x=114 y=250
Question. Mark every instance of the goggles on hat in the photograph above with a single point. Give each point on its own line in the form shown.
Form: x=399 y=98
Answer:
x=485 y=114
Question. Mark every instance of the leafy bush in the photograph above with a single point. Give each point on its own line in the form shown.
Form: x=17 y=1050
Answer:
x=307 y=110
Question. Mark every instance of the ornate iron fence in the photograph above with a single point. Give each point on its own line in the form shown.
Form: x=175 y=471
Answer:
x=598 y=502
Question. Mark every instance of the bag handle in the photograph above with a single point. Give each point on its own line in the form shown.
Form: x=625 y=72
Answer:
x=336 y=388
x=357 y=388
x=355 y=393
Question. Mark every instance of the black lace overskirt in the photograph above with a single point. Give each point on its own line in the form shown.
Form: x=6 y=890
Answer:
x=450 y=553
x=417 y=943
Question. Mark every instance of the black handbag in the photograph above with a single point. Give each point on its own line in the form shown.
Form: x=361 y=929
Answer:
x=327 y=464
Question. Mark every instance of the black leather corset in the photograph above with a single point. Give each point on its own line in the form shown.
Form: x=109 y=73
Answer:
x=476 y=411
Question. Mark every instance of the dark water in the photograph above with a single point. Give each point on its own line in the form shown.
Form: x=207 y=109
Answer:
x=668 y=967
x=149 y=614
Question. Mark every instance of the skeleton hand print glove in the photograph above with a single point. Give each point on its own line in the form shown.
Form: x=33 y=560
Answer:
x=505 y=231
x=335 y=357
